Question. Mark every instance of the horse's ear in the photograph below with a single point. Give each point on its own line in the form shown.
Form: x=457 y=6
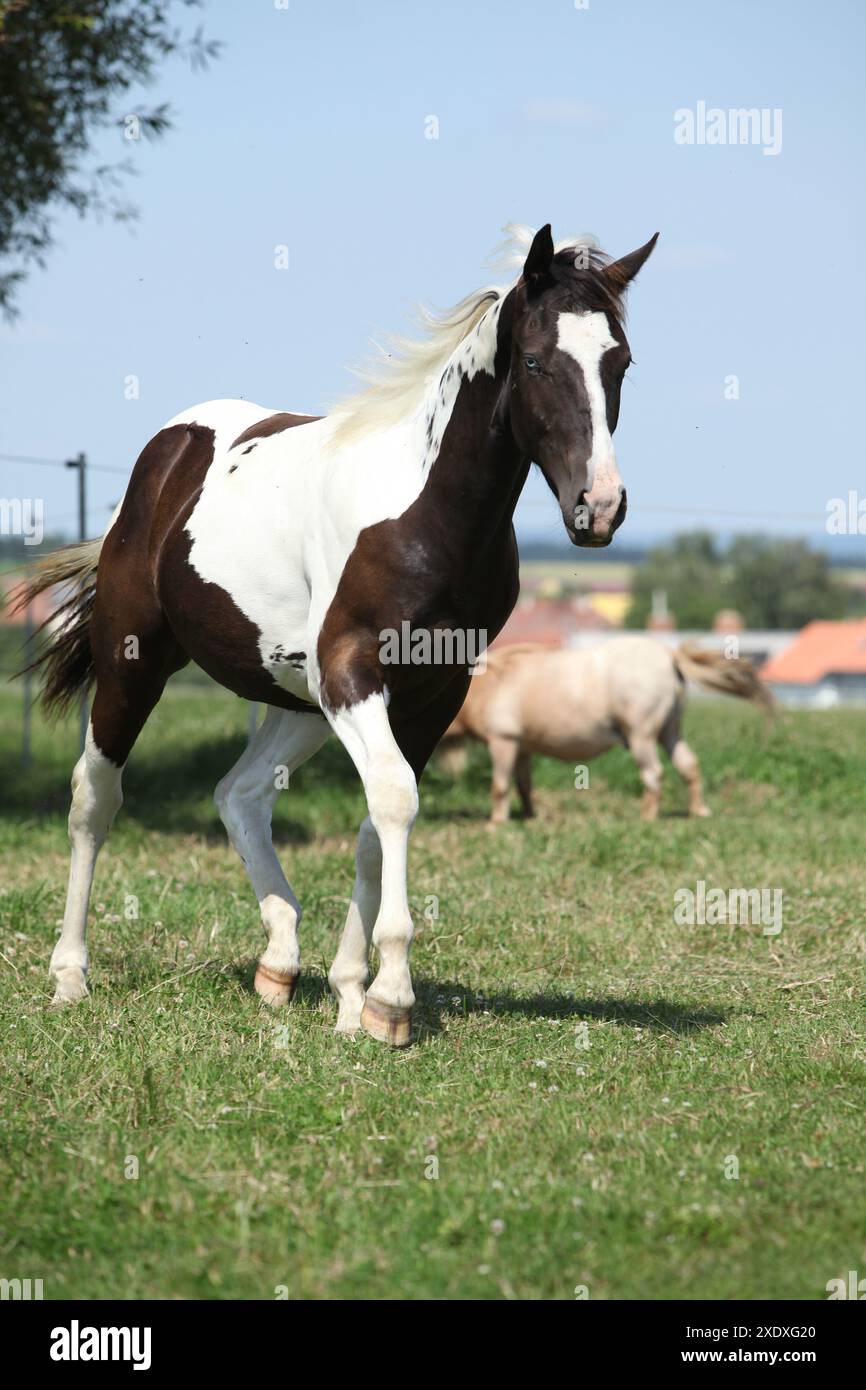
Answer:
x=620 y=273
x=538 y=260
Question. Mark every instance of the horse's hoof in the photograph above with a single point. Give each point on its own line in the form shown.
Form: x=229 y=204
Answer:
x=386 y=1023
x=70 y=987
x=703 y=811
x=348 y=1023
x=276 y=987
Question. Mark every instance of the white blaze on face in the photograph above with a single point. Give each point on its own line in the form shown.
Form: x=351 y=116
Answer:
x=586 y=338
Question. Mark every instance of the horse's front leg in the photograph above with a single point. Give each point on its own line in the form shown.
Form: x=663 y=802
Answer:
x=392 y=800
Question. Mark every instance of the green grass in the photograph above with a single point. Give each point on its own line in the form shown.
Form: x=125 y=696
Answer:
x=271 y=1153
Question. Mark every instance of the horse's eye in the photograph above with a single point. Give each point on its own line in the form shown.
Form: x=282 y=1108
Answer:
x=532 y=365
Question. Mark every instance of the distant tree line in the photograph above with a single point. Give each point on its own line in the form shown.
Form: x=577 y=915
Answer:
x=772 y=583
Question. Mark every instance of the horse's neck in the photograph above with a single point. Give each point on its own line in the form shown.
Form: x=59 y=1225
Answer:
x=475 y=469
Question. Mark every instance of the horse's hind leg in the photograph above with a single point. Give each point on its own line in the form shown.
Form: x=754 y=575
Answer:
x=96 y=799
x=126 y=692
x=504 y=757
x=685 y=761
x=643 y=749
x=245 y=799
x=523 y=774
x=349 y=973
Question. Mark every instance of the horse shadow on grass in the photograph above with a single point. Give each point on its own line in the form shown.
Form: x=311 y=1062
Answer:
x=438 y=1001
x=442 y=999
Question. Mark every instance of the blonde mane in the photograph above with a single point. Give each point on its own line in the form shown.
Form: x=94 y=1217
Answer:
x=396 y=381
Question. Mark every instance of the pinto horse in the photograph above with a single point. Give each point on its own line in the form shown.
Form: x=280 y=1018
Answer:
x=274 y=549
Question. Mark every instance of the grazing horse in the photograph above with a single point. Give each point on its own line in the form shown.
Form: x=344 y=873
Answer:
x=574 y=705
x=275 y=549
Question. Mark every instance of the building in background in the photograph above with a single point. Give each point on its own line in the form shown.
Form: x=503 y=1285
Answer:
x=552 y=622
x=824 y=666
x=547 y=616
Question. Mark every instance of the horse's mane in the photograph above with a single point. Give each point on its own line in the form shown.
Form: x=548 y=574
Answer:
x=396 y=380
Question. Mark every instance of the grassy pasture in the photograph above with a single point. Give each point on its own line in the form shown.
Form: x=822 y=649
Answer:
x=586 y=1069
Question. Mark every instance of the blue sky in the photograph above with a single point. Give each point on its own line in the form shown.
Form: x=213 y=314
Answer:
x=310 y=132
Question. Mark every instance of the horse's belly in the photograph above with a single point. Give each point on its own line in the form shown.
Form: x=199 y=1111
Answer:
x=569 y=746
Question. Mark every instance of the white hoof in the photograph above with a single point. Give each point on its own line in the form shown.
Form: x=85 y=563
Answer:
x=70 y=986
x=275 y=987
x=387 y=1023
x=348 y=1023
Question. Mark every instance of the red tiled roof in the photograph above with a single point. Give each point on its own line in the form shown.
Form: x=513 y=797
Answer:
x=550 y=622
x=821 y=648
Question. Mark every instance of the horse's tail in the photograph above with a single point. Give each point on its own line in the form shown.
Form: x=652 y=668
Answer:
x=726 y=675
x=65 y=657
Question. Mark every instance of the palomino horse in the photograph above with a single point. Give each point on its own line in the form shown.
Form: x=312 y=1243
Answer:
x=275 y=549
x=574 y=705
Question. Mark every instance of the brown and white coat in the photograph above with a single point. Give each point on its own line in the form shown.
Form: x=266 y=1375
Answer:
x=275 y=550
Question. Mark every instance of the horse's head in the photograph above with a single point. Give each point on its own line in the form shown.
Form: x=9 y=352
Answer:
x=568 y=357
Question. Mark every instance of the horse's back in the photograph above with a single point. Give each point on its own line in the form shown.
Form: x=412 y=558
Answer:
x=640 y=674
x=171 y=468
x=553 y=700
x=226 y=418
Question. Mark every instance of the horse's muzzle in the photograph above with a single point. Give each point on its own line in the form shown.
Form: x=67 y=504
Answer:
x=593 y=523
